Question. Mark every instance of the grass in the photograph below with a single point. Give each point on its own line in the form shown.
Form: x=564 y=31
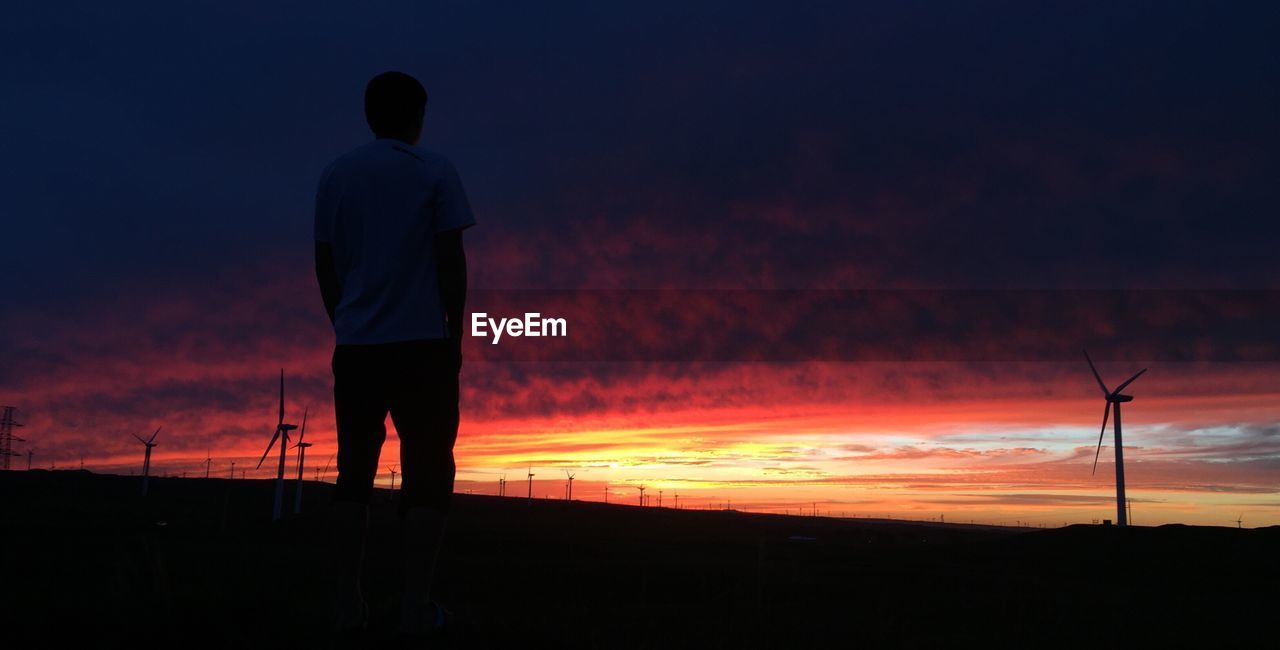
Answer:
x=198 y=563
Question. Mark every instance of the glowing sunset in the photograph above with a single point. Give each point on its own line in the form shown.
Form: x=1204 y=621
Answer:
x=989 y=441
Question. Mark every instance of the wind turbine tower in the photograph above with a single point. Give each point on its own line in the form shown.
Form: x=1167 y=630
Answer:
x=302 y=458
x=208 y=461
x=146 y=459
x=7 y=423
x=530 y=484
x=569 y=489
x=1114 y=398
x=641 y=496
x=282 y=429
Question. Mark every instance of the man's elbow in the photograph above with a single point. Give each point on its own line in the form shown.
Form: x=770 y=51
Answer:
x=450 y=255
x=327 y=278
x=323 y=258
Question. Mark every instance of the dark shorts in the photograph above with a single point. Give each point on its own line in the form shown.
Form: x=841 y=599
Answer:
x=417 y=383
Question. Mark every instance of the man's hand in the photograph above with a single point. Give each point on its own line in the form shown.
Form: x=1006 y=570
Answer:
x=455 y=346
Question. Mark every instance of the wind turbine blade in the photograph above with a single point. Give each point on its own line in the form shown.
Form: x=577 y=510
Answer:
x=153 y=436
x=1095 y=374
x=1105 y=415
x=302 y=433
x=282 y=394
x=273 y=443
x=140 y=438
x=1130 y=380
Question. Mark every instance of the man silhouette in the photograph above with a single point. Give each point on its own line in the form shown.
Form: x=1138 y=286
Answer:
x=389 y=260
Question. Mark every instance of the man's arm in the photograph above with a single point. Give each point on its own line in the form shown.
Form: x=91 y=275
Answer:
x=451 y=269
x=330 y=288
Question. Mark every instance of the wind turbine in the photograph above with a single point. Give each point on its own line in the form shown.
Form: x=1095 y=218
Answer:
x=302 y=456
x=677 y=495
x=233 y=470
x=641 y=495
x=1240 y=520
x=325 y=475
x=570 y=488
x=392 y=469
x=281 y=429
x=146 y=459
x=208 y=460
x=531 y=484
x=502 y=486
x=1114 y=397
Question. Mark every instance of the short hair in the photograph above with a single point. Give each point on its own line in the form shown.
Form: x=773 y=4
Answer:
x=394 y=103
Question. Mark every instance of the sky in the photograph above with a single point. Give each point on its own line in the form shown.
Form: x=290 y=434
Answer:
x=840 y=256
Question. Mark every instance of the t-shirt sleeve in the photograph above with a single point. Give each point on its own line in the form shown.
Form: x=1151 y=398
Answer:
x=452 y=210
x=326 y=207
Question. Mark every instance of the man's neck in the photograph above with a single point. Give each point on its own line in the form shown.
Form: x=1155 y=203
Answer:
x=413 y=142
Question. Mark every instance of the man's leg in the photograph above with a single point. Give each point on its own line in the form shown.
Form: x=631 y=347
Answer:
x=361 y=420
x=349 y=523
x=425 y=413
x=423 y=534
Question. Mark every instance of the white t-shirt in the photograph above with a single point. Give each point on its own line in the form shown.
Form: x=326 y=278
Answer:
x=379 y=207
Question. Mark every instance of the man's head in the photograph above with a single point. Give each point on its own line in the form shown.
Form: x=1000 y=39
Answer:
x=394 y=104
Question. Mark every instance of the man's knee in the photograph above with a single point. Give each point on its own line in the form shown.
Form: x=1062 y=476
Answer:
x=433 y=491
x=355 y=481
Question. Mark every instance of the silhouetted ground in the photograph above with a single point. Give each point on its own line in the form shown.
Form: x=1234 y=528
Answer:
x=199 y=564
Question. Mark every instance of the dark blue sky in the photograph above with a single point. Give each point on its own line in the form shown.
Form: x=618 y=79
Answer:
x=161 y=148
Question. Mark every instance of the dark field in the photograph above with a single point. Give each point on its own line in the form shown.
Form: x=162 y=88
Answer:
x=199 y=564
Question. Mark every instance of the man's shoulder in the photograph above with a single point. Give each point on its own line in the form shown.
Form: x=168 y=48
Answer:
x=432 y=161
x=382 y=152
x=378 y=157
x=352 y=157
